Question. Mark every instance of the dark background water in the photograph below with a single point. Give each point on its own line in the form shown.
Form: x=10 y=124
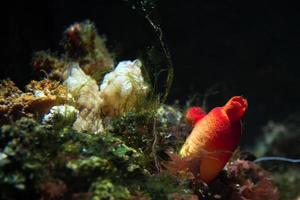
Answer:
x=230 y=46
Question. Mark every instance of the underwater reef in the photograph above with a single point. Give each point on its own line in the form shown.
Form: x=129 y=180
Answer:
x=96 y=129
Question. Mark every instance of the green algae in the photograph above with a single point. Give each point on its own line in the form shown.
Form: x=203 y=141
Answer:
x=101 y=164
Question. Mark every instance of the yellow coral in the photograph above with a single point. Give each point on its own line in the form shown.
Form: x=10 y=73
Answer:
x=41 y=96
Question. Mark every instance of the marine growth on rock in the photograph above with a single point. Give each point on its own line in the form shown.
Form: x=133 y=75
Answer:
x=93 y=130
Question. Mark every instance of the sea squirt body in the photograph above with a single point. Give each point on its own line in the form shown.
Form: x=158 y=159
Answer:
x=215 y=137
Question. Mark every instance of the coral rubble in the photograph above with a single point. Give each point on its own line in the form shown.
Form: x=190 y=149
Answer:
x=251 y=181
x=82 y=44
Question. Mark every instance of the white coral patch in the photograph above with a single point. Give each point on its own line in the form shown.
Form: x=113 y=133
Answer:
x=121 y=88
x=62 y=112
x=38 y=93
x=3 y=156
x=76 y=78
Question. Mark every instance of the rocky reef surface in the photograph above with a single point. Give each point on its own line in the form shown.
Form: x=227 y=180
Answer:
x=94 y=129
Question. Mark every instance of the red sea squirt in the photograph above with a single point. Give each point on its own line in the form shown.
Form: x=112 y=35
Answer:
x=215 y=136
x=194 y=114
